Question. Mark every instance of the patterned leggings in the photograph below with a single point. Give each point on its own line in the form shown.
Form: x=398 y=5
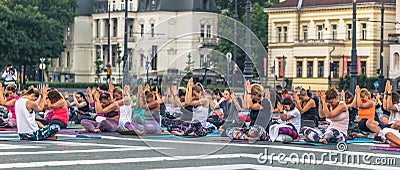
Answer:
x=255 y=132
x=104 y=125
x=332 y=135
x=41 y=134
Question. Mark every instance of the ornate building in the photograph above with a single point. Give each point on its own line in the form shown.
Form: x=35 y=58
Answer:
x=87 y=38
x=314 y=39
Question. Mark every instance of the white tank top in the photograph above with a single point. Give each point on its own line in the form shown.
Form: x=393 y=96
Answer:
x=200 y=113
x=341 y=121
x=26 y=122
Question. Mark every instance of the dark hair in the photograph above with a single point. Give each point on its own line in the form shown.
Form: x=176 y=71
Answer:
x=104 y=95
x=54 y=95
x=32 y=90
x=287 y=101
x=197 y=88
x=148 y=94
x=103 y=87
x=83 y=96
x=348 y=95
x=229 y=90
x=303 y=92
x=218 y=92
x=395 y=97
x=331 y=94
x=309 y=93
x=181 y=92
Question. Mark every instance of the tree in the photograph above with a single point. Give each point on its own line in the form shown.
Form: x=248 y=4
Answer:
x=98 y=63
x=118 y=60
x=189 y=64
x=33 y=29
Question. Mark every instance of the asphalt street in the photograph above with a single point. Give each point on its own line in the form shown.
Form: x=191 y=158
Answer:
x=115 y=151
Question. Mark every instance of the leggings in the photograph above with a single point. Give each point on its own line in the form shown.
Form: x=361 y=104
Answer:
x=104 y=125
x=332 y=135
x=41 y=134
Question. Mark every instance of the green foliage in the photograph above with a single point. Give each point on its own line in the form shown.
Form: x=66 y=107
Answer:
x=189 y=64
x=67 y=85
x=363 y=82
x=33 y=29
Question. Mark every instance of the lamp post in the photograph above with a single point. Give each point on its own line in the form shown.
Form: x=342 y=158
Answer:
x=248 y=66
x=42 y=66
x=125 y=68
x=353 y=65
x=236 y=17
x=147 y=69
x=381 y=77
x=229 y=58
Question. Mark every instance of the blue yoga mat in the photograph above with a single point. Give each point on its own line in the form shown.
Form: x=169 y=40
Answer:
x=172 y=136
x=356 y=140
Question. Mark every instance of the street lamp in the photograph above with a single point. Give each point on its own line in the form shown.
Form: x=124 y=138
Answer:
x=381 y=81
x=236 y=17
x=229 y=57
x=42 y=66
x=248 y=65
x=147 y=69
x=353 y=65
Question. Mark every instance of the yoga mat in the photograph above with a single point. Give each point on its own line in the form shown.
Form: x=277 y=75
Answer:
x=8 y=129
x=126 y=132
x=58 y=139
x=75 y=127
x=356 y=140
x=82 y=132
x=172 y=136
x=385 y=148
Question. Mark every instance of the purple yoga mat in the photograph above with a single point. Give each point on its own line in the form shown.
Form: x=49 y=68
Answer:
x=83 y=132
x=385 y=148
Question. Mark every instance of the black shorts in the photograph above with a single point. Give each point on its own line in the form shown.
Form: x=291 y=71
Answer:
x=362 y=125
x=50 y=122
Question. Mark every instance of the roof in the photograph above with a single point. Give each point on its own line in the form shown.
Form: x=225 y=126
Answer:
x=177 y=5
x=309 y=3
x=85 y=7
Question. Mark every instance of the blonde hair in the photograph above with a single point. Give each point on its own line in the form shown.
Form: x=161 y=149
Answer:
x=364 y=92
x=257 y=89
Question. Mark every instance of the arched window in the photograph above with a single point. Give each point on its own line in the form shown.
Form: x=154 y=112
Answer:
x=396 y=57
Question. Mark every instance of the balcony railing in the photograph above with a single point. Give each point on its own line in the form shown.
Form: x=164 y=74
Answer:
x=319 y=41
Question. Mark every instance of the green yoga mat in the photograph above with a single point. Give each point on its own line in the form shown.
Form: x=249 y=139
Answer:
x=172 y=136
x=356 y=140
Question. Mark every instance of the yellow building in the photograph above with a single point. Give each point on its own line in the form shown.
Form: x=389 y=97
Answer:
x=308 y=35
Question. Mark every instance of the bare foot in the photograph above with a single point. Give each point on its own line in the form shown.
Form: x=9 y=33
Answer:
x=96 y=130
x=307 y=140
x=139 y=132
x=324 y=141
x=192 y=134
x=176 y=133
x=52 y=138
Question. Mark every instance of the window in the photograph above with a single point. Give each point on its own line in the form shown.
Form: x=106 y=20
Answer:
x=363 y=31
x=319 y=33
x=152 y=30
x=349 y=33
x=154 y=58
x=68 y=60
x=299 y=69
x=279 y=34
x=115 y=27
x=131 y=31
x=305 y=32
x=114 y=55
x=284 y=34
x=310 y=68
x=320 y=69
x=201 y=60
x=396 y=61
x=68 y=33
x=130 y=7
x=363 y=67
x=335 y=68
x=97 y=28
x=202 y=31
x=106 y=28
x=141 y=29
x=114 y=7
x=122 y=5
x=153 y=5
x=60 y=61
x=334 y=32
x=208 y=35
x=141 y=59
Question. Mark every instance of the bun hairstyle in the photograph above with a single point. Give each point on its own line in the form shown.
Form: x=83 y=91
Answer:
x=257 y=89
x=364 y=92
x=32 y=90
x=330 y=94
x=12 y=87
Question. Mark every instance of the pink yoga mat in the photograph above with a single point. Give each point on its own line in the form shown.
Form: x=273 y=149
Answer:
x=8 y=129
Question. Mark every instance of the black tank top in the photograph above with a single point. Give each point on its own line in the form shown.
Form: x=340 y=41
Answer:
x=310 y=113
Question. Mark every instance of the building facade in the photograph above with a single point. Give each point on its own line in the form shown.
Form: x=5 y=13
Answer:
x=313 y=38
x=149 y=28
